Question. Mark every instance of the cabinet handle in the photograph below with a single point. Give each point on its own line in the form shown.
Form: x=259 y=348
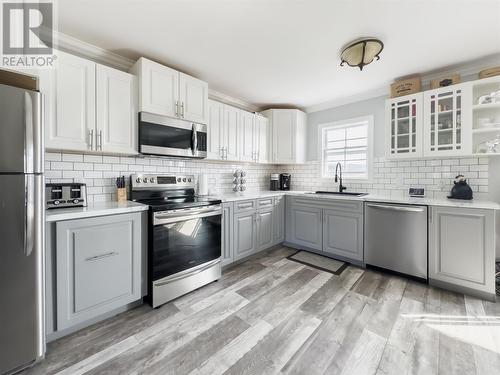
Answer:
x=97 y=257
x=91 y=139
x=100 y=140
x=182 y=109
x=177 y=108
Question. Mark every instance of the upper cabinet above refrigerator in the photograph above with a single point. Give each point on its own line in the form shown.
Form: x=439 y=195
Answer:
x=168 y=92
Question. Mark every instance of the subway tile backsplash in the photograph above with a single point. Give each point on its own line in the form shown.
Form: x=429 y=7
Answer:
x=388 y=178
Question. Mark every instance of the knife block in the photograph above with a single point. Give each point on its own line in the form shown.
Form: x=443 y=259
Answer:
x=121 y=195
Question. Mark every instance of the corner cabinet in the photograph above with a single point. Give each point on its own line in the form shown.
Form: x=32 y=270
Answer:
x=404 y=127
x=168 y=92
x=462 y=249
x=89 y=107
x=448 y=121
x=288 y=135
x=304 y=226
x=86 y=251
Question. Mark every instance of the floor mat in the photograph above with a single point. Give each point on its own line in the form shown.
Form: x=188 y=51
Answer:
x=320 y=262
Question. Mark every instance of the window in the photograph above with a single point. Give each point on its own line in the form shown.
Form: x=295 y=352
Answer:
x=350 y=144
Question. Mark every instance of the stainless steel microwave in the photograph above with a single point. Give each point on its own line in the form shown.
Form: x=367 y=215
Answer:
x=160 y=135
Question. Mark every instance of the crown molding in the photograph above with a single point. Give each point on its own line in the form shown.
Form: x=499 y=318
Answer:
x=75 y=46
x=466 y=70
x=235 y=102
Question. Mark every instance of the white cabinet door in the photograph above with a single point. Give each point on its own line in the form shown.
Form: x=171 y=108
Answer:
x=462 y=247
x=245 y=234
x=404 y=130
x=193 y=99
x=72 y=105
x=215 y=129
x=265 y=219
x=116 y=111
x=448 y=121
x=279 y=220
x=343 y=233
x=227 y=234
x=246 y=136
x=284 y=128
x=261 y=139
x=158 y=88
x=231 y=125
x=305 y=227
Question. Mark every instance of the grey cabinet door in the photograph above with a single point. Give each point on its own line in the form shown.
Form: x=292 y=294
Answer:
x=245 y=229
x=265 y=228
x=343 y=233
x=227 y=234
x=279 y=220
x=98 y=266
x=305 y=227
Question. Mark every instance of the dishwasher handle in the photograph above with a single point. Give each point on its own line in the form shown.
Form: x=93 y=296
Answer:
x=395 y=208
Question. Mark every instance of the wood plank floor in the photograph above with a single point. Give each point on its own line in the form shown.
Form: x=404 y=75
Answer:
x=271 y=315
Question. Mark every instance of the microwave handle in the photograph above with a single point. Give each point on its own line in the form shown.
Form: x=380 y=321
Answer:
x=194 y=140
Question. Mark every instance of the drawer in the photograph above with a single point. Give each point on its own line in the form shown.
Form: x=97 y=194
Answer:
x=247 y=205
x=266 y=202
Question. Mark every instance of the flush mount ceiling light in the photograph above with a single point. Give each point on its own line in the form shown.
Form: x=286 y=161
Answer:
x=361 y=52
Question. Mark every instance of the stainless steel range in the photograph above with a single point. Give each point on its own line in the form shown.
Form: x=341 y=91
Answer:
x=184 y=246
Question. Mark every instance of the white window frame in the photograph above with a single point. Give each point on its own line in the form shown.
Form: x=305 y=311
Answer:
x=344 y=124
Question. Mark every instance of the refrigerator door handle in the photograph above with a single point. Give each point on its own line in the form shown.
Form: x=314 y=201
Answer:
x=29 y=217
x=33 y=141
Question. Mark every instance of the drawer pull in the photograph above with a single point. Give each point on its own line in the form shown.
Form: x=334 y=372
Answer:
x=97 y=257
x=245 y=205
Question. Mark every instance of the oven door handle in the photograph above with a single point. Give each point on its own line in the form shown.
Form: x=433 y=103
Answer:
x=194 y=140
x=169 y=219
x=193 y=272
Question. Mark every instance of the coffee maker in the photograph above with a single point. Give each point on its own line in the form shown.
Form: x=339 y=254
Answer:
x=285 y=180
x=275 y=182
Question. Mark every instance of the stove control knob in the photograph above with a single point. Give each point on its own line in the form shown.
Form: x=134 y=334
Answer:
x=189 y=180
x=152 y=180
x=184 y=179
x=145 y=180
x=57 y=202
x=76 y=201
x=179 y=179
x=138 y=180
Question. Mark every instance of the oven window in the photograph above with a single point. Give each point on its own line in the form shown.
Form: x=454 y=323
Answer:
x=164 y=136
x=185 y=244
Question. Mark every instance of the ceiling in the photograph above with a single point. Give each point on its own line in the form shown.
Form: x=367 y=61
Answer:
x=286 y=52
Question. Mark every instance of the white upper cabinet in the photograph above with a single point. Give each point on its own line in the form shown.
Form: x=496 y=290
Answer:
x=158 y=88
x=116 y=111
x=247 y=149
x=231 y=125
x=215 y=130
x=168 y=92
x=193 y=99
x=288 y=145
x=404 y=126
x=261 y=139
x=448 y=121
x=70 y=98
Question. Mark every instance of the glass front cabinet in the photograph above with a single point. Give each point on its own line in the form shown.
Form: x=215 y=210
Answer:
x=447 y=121
x=404 y=126
x=431 y=123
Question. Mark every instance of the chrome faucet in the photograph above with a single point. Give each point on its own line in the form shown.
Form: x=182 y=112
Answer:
x=338 y=178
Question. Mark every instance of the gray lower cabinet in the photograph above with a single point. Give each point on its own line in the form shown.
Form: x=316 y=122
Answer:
x=227 y=234
x=304 y=227
x=265 y=233
x=462 y=249
x=343 y=233
x=98 y=266
x=279 y=220
x=245 y=239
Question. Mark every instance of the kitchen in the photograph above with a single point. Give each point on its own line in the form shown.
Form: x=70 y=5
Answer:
x=329 y=205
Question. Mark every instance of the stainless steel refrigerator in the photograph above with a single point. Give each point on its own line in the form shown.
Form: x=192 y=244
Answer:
x=22 y=217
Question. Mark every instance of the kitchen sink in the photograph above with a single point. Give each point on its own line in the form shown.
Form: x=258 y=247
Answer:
x=351 y=193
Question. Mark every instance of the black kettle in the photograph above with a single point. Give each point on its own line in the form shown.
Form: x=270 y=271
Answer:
x=461 y=189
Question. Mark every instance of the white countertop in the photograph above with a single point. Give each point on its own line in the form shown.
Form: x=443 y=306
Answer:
x=231 y=197
x=93 y=210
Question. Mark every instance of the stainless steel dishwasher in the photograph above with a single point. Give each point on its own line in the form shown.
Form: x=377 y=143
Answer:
x=396 y=238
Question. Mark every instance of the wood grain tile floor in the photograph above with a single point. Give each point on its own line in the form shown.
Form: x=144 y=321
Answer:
x=271 y=315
